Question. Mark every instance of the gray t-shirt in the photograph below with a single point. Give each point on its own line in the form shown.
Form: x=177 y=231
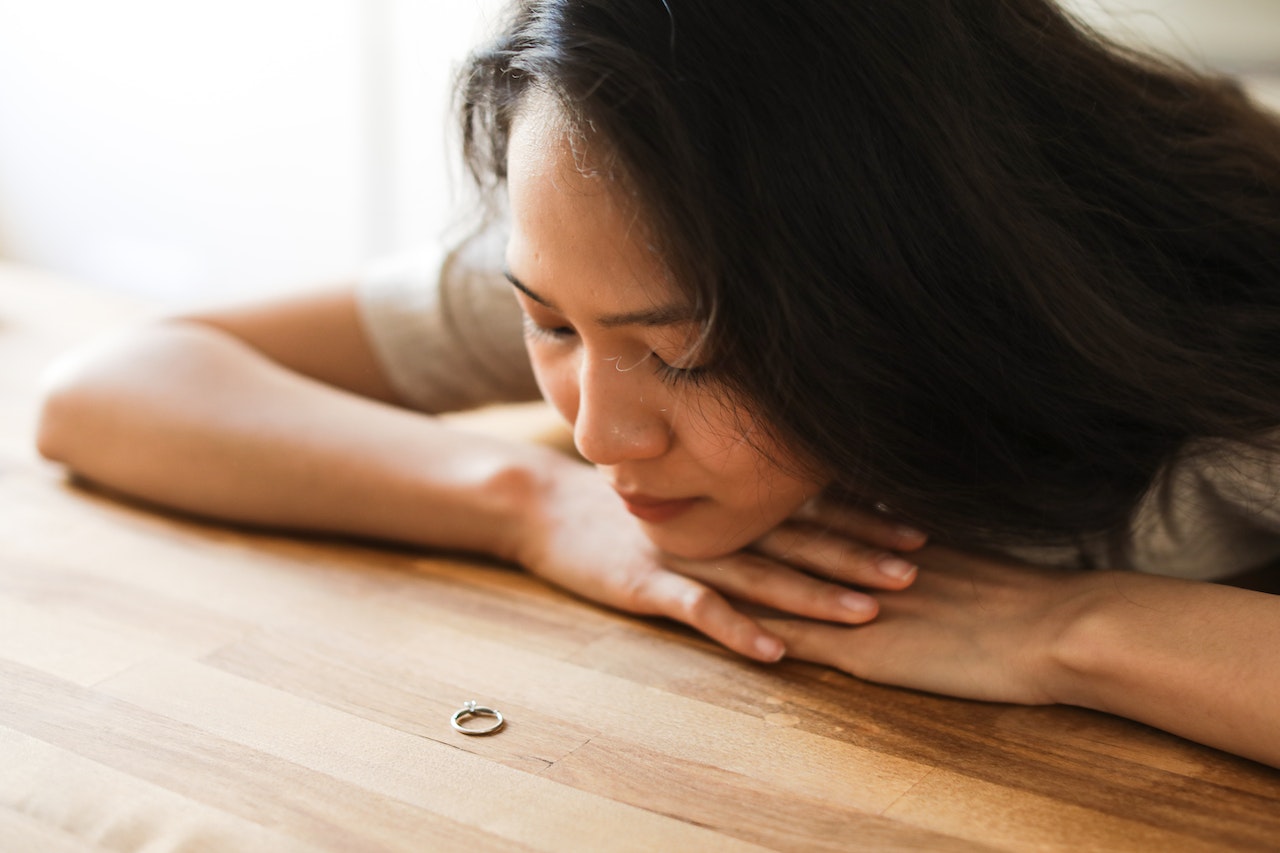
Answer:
x=446 y=328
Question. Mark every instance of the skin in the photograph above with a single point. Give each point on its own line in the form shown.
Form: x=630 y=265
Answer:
x=611 y=344
x=974 y=626
x=237 y=415
x=631 y=390
x=1201 y=660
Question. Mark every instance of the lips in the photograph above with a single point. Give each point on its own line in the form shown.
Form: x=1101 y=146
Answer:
x=656 y=510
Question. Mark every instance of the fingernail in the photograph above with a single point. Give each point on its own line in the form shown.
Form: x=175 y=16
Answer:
x=808 y=509
x=910 y=534
x=770 y=649
x=899 y=570
x=859 y=605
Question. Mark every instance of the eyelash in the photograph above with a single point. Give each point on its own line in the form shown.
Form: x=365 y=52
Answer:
x=543 y=333
x=674 y=376
x=677 y=376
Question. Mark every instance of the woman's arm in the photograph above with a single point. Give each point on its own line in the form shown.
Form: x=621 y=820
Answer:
x=1201 y=660
x=279 y=416
x=1197 y=659
x=243 y=417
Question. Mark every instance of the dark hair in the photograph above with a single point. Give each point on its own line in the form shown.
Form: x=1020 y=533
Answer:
x=981 y=264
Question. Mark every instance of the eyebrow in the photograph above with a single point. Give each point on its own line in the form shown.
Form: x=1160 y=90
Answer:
x=658 y=315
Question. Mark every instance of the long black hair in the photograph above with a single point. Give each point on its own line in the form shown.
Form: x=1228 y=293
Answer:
x=976 y=261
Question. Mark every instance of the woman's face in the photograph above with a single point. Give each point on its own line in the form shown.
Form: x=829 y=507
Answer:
x=612 y=345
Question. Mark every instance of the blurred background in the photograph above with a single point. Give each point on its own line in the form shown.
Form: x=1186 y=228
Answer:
x=202 y=151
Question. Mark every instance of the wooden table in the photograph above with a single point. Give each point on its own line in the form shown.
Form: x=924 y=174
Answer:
x=182 y=685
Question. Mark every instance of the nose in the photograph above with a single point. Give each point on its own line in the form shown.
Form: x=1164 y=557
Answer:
x=614 y=422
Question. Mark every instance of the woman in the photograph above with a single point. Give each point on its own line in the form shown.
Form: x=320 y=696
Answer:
x=806 y=279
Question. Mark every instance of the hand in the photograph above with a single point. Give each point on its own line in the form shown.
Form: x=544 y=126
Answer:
x=971 y=626
x=1201 y=660
x=847 y=545
x=582 y=539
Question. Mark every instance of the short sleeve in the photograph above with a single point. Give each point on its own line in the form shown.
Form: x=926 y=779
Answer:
x=446 y=327
x=1213 y=512
x=1216 y=512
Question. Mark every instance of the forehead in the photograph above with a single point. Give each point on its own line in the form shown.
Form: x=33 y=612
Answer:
x=545 y=145
x=576 y=227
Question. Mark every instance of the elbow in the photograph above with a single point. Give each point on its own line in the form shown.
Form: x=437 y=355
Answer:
x=49 y=440
x=84 y=396
x=104 y=405
x=63 y=417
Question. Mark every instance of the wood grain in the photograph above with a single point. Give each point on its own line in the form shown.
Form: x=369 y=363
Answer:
x=171 y=684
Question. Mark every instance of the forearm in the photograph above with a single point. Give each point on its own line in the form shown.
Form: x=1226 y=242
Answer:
x=1199 y=660
x=190 y=418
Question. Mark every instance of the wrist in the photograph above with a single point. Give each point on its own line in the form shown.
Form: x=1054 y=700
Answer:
x=519 y=494
x=534 y=495
x=1084 y=640
x=461 y=491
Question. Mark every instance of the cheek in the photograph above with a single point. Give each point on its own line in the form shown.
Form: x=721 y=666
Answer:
x=754 y=474
x=558 y=383
x=721 y=437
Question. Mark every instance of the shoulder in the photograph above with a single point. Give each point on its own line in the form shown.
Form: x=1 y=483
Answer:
x=446 y=327
x=1214 y=512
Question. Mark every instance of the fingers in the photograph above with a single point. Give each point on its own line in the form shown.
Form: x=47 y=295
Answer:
x=869 y=527
x=702 y=608
x=812 y=641
x=836 y=557
x=762 y=580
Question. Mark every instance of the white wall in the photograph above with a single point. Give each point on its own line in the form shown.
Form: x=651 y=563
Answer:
x=220 y=148
x=198 y=150
x=1237 y=35
x=427 y=43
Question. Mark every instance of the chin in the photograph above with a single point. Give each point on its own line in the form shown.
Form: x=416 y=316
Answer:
x=691 y=546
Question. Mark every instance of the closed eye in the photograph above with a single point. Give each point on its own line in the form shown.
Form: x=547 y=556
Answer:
x=669 y=374
x=537 y=331
x=679 y=375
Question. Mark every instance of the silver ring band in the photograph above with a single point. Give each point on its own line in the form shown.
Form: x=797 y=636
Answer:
x=471 y=709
